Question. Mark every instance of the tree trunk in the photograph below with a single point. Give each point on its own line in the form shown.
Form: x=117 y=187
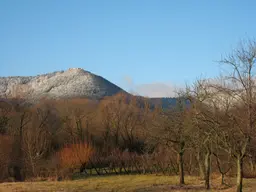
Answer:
x=181 y=168
x=222 y=179
x=207 y=170
x=32 y=165
x=82 y=167
x=239 y=177
x=252 y=166
x=200 y=166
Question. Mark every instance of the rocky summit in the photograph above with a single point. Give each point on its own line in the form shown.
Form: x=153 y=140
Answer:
x=72 y=83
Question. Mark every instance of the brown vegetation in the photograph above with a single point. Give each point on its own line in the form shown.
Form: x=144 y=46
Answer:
x=210 y=130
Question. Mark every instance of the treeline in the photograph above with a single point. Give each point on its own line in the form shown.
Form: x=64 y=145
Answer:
x=65 y=134
x=210 y=129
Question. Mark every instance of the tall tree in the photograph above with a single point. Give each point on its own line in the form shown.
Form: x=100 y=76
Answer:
x=238 y=88
x=171 y=130
x=202 y=127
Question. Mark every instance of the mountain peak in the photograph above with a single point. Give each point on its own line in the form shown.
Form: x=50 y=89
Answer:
x=76 y=70
x=72 y=83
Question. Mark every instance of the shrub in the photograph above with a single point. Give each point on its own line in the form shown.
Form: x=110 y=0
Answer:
x=75 y=155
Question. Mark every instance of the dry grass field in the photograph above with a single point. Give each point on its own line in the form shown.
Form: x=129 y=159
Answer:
x=126 y=183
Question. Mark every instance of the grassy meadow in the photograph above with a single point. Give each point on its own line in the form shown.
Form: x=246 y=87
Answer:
x=124 y=183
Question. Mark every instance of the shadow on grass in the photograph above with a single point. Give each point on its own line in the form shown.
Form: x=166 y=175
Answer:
x=155 y=188
x=79 y=176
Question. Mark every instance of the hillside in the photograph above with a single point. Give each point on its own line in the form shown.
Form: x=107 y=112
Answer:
x=73 y=83
x=69 y=84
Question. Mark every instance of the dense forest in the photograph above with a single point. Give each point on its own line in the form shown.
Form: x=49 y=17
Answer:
x=210 y=129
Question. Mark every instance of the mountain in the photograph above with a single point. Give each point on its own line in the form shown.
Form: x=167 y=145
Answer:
x=72 y=83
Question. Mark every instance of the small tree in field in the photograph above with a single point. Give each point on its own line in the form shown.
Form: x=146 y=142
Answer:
x=75 y=155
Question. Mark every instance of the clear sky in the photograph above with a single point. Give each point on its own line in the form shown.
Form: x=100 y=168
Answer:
x=136 y=44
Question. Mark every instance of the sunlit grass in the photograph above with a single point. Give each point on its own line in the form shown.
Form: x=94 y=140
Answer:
x=124 y=183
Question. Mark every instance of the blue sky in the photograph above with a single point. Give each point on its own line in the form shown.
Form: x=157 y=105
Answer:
x=131 y=43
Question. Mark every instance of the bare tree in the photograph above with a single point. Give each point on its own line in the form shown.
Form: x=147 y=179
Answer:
x=239 y=85
x=77 y=116
x=170 y=128
x=20 y=119
x=202 y=127
x=122 y=119
x=5 y=112
x=37 y=138
x=223 y=162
